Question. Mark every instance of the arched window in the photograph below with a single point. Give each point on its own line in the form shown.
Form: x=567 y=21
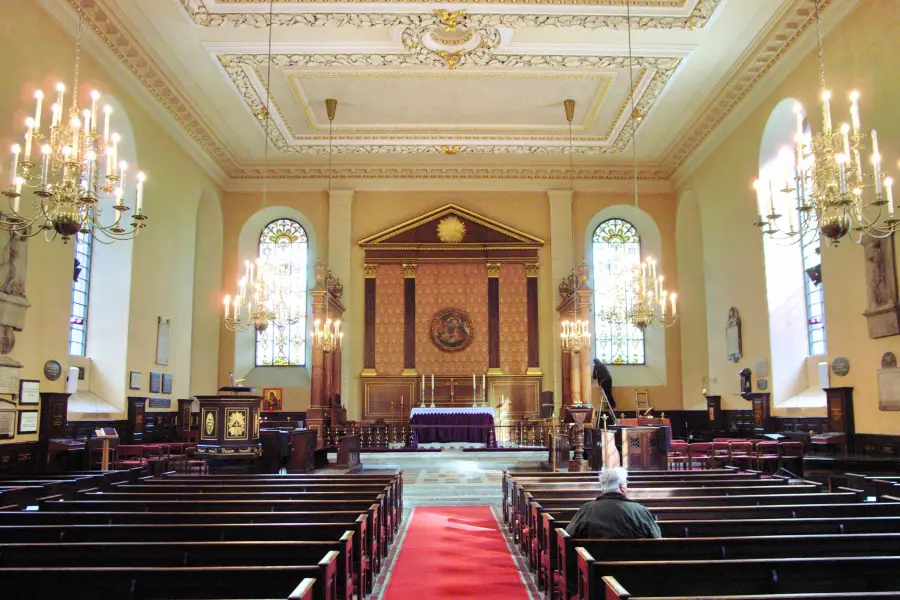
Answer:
x=811 y=258
x=284 y=247
x=616 y=252
x=81 y=293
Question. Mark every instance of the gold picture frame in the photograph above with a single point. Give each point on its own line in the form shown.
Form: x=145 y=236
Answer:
x=237 y=424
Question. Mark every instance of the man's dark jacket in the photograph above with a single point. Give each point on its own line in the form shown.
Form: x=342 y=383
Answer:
x=613 y=515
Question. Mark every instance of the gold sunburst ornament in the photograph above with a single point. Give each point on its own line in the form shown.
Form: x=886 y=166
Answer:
x=451 y=230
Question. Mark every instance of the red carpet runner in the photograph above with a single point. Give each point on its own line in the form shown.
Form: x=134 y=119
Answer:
x=454 y=552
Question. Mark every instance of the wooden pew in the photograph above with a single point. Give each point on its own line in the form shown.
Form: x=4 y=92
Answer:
x=146 y=583
x=35 y=528
x=735 y=577
x=715 y=549
x=553 y=534
x=188 y=554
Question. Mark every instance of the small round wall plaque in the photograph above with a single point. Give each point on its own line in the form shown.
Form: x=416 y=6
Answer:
x=762 y=384
x=52 y=370
x=888 y=360
x=840 y=366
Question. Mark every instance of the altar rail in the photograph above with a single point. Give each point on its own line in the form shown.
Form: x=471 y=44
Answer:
x=382 y=436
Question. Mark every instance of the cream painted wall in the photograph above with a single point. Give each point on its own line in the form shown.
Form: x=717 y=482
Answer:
x=662 y=209
x=163 y=255
x=856 y=53
x=692 y=296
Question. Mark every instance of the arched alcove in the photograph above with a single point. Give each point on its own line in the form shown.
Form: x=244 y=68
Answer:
x=245 y=341
x=653 y=371
x=205 y=324
x=794 y=383
x=110 y=293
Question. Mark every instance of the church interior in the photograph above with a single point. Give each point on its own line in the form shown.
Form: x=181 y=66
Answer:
x=391 y=282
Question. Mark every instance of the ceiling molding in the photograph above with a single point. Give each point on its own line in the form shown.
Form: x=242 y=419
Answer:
x=517 y=14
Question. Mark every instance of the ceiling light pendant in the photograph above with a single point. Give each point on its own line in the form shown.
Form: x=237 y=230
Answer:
x=575 y=335
x=70 y=166
x=327 y=336
x=646 y=299
x=832 y=180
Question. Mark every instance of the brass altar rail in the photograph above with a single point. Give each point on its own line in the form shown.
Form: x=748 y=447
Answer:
x=399 y=435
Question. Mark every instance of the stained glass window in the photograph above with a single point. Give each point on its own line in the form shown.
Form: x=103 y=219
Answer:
x=616 y=252
x=283 y=252
x=81 y=290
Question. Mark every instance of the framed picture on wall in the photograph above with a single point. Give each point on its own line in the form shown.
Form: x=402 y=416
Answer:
x=29 y=391
x=272 y=399
x=134 y=380
x=28 y=421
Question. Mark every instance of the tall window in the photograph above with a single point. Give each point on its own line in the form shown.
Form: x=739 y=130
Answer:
x=811 y=259
x=284 y=249
x=81 y=289
x=616 y=251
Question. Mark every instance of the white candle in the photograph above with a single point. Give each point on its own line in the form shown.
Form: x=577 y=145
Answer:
x=29 y=128
x=423 y=385
x=55 y=111
x=432 y=385
x=663 y=302
x=140 y=193
x=482 y=385
x=15 y=201
x=845 y=137
x=889 y=183
x=39 y=97
x=115 y=152
x=107 y=111
x=826 y=111
x=75 y=123
x=841 y=160
x=876 y=162
x=672 y=298
x=237 y=308
x=95 y=95
x=109 y=161
x=15 y=163
x=87 y=124
x=92 y=162
x=60 y=92
x=118 y=195
x=45 y=160
x=475 y=385
x=771 y=199
x=854 y=111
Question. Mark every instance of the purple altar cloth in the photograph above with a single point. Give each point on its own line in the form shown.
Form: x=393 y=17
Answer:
x=471 y=428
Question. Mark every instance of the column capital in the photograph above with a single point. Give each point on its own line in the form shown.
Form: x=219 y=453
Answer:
x=370 y=270
x=409 y=270
x=532 y=269
x=493 y=270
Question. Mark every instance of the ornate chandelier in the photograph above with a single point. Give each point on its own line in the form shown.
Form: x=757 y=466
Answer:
x=250 y=306
x=69 y=167
x=328 y=338
x=831 y=188
x=648 y=299
x=574 y=335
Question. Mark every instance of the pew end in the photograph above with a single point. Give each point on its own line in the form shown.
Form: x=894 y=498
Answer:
x=614 y=590
x=304 y=591
x=585 y=572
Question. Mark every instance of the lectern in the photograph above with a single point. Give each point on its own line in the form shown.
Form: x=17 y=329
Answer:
x=229 y=429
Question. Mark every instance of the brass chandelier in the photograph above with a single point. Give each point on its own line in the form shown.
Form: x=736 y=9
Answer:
x=327 y=336
x=70 y=166
x=575 y=335
x=827 y=183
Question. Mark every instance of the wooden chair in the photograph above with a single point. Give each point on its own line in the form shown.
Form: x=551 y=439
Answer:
x=792 y=452
x=741 y=453
x=679 y=455
x=191 y=461
x=767 y=452
x=721 y=454
x=130 y=456
x=701 y=453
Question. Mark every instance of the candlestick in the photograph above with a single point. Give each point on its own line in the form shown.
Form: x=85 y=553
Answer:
x=889 y=183
x=474 y=387
x=139 y=205
x=854 y=111
x=841 y=159
x=55 y=113
x=39 y=97
x=876 y=161
x=826 y=111
x=432 y=385
x=226 y=302
x=674 y=311
x=107 y=111
x=15 y=163
x=482 y=385
x=845 y=137
x=771 y=200
x=29 y=127
x=45 y=159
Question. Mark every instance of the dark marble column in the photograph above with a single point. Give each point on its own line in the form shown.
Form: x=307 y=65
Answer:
x=409 y=318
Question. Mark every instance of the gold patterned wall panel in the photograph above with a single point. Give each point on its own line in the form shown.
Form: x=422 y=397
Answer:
x=389 y=320
x=457 y=285
x=513 y=319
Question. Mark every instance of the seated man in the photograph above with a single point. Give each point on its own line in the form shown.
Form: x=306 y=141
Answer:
x=613 y=515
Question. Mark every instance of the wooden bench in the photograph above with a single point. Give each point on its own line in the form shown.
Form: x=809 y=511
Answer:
x=144 y=583
x=714 y=549
x=628 y=579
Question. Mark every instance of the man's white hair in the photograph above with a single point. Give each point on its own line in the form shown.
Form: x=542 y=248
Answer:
x=611 y=479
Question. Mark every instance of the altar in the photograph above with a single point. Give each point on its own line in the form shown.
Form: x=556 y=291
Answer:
x=472 y=425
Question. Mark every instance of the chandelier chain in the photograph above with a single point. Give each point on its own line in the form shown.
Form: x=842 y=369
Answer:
x=633 y=108
x=77 y=56
x=820 y=45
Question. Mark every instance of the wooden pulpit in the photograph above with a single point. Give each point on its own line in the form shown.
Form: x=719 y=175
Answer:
x=229 y=430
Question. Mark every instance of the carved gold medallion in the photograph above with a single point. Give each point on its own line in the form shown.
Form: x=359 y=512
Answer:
x=451 y=230
x=210 y=423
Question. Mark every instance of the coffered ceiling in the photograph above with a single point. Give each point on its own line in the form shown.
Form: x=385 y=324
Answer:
x=463 y=87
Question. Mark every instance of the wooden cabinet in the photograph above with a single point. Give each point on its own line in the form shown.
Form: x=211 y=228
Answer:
x=643 y=449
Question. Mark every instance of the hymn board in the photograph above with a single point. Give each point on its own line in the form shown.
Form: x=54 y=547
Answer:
x=452 y=294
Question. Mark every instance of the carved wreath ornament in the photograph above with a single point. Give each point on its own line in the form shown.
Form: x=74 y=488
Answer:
x=451 y=230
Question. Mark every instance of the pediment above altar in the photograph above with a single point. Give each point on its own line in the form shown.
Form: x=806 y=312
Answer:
x=451 y=231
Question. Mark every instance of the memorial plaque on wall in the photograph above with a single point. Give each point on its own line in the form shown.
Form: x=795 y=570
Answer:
x=889 y=389
x=7 y=420
x=155 y=383
x=167 y=383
